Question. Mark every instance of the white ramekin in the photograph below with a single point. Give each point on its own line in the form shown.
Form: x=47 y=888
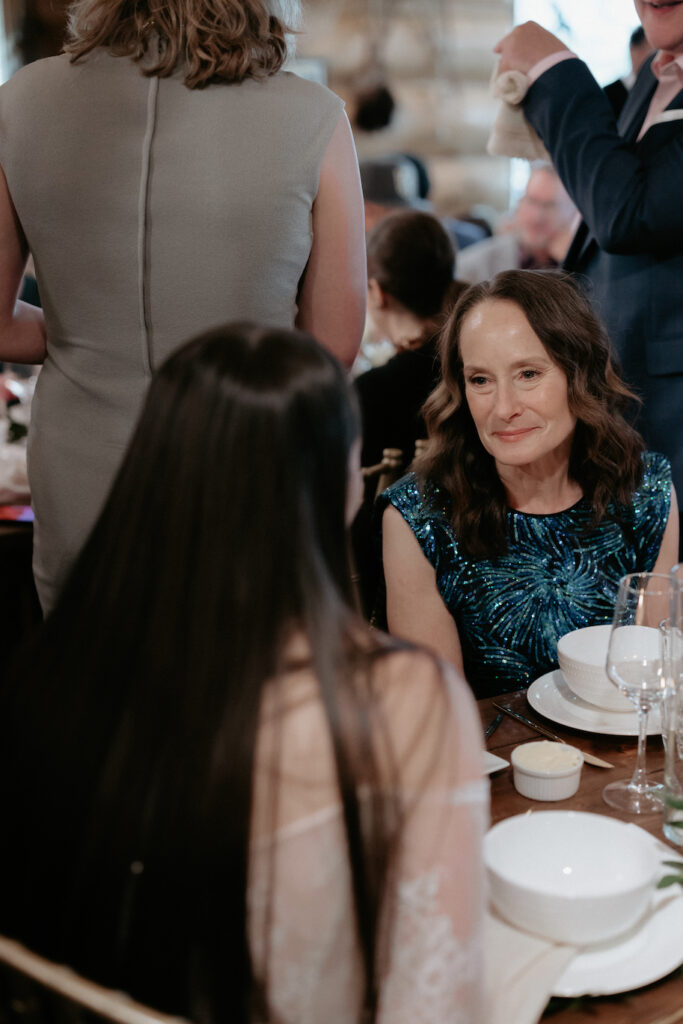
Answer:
x=541 y=783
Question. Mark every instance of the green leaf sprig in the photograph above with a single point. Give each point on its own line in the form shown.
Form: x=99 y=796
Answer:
x=672 y=879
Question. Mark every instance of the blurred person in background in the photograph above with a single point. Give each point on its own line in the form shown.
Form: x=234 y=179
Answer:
x=545 y=220
x=536 y=237
x=411 y=289
x=411 y=263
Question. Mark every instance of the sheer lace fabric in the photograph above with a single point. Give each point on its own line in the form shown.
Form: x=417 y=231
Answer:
x=306 y=930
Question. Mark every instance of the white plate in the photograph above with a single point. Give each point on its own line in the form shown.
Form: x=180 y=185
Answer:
x=551 y=697
x=648 y=952
x=493 y=763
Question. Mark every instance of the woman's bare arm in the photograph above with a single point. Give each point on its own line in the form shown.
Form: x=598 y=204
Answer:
x=668 y=552
x=415 y=609
x=333 y=291
x=22 y=328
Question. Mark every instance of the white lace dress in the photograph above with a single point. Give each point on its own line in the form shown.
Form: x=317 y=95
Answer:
x=434 y=973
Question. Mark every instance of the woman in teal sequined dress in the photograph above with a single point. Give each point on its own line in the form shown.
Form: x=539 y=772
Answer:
x=534 y=496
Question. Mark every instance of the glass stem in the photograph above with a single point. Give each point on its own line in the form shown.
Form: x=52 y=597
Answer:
x=639 y=779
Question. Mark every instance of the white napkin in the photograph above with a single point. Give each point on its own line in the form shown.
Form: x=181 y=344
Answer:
x=14 y=489
x=520 y=972
x=512 y=135
x=493 y=763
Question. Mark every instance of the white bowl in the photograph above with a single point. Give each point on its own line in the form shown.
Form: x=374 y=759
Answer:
x=570 y=876
x=582 y=655
x=543 y=770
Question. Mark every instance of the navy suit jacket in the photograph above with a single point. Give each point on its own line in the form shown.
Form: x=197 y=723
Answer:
x=629 y=248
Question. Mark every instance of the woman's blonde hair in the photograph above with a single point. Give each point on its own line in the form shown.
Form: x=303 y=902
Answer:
x=210 y=40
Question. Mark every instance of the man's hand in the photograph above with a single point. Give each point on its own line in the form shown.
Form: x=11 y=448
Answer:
x=525 y=46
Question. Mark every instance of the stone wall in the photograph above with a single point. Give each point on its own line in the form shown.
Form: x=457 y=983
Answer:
x=437 y=58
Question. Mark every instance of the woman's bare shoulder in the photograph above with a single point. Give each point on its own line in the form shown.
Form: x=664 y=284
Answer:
x=427 y=712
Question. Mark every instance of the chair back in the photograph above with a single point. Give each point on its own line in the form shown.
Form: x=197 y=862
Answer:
x=421 y=446
x=34 y=990
x=387 y=471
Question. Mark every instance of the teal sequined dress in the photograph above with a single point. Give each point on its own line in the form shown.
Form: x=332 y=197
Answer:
x=559 y=574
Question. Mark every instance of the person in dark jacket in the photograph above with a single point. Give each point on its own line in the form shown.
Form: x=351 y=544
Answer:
x=411 y=288
x=411 y=265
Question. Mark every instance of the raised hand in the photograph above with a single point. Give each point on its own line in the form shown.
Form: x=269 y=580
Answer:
x=525 y=46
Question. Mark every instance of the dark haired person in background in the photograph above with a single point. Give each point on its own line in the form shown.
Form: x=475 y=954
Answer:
x=411 y=266
x=228 y=797
x=374 y=107
x=411 y=262
x=534 y=496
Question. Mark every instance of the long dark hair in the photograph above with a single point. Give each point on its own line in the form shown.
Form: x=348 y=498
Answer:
x=126 y=751
x=605 y=458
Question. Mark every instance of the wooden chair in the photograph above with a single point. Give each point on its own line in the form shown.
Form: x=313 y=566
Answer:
x=366 y=576
x=34 y=990
x=387 y=471
x=363 y=555
x=420 y=446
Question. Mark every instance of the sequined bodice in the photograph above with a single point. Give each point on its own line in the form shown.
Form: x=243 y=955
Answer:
x=559 y=574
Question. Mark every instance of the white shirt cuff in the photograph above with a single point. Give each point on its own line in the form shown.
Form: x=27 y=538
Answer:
x=549 y=62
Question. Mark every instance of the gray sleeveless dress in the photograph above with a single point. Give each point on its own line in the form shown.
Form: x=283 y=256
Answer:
x=152 y=212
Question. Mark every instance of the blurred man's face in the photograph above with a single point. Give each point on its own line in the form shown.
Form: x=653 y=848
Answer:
x=544 y=211
x=663 y=23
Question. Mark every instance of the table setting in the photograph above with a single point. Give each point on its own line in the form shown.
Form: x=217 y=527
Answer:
x=16 y=395
x=585 y=917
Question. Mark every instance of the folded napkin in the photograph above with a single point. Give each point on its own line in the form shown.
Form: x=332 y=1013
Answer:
x=14 y=487
x=520 y=972
x=512 y=135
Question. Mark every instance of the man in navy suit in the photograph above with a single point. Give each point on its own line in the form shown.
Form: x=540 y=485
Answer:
x=626 y=178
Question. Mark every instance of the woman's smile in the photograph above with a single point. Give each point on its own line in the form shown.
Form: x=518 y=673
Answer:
x=514 y=435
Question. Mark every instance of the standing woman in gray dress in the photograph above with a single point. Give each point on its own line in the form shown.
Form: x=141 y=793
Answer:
x=166 y=176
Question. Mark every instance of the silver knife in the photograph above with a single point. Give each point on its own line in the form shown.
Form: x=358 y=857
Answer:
x=492 y=726
x=588 y=758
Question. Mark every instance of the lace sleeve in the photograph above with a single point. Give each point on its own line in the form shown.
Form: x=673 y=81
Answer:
x=305 y=938
x=435 y=966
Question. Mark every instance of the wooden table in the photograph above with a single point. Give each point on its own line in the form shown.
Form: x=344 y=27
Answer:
x=661 y=1002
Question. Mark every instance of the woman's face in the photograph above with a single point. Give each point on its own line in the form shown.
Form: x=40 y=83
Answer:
x=516 y=394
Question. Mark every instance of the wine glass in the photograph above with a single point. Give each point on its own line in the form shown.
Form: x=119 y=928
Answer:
x=638 y=667
x=672 y=722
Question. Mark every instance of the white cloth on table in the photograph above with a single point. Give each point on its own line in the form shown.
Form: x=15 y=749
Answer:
x=520 y=972
x=14 y=489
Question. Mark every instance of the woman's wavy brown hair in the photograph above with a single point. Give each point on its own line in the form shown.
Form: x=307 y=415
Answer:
x=606 y=451
x=211 y=40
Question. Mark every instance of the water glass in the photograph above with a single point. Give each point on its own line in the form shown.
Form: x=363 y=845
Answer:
x=638 y=664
